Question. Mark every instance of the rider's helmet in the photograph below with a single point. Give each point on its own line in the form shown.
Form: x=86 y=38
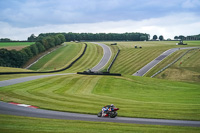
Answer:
x=112 y=105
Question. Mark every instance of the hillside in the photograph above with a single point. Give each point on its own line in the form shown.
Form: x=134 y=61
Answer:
x=186 y=69
x=58 y=58
x=146 y=97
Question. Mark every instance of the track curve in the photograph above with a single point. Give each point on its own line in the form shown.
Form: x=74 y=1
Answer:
x=9 y=109
x=161 y=57
x=25 y=79
x=105 y=59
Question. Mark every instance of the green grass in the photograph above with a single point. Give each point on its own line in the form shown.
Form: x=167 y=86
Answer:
x=135 y=96
x=91 y=58
x=59 y=58
x=130 y=60
x=12 y=69
x=6 y=44
x=189 y=70
x=10 y=124
x=165 y=62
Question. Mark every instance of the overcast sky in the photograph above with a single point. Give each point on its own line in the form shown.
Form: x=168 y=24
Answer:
x=21 y=18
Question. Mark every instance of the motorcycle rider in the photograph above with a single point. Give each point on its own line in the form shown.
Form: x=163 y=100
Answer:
x=107 y=108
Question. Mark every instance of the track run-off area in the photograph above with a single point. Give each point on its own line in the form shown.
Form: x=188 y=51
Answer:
x=6 y=108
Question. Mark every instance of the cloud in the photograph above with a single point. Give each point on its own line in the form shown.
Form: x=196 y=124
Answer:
x=168 y=26
x=191 y=4
x=35 y=13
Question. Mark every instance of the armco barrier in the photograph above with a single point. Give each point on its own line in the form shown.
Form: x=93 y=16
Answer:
x=113 y=61
x=99 y=73
x=172 y=63
x=2 y=73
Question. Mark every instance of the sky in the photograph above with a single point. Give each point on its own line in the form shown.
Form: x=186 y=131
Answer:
x=21 y=18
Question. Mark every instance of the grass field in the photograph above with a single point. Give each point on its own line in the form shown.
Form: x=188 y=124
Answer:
x=12 y=69
x=130 y=60
x=91 y=58
x=59 y=58
x=8 y=44
x=14 y=45
x=165 y=62
x=10 y=124
x=146 y=97
x=135 y=96
x=186 y=69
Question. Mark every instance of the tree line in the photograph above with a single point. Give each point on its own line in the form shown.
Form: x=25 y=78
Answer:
x=107 y=36
x=97 y=36
x=13 y=58
x=192 y=37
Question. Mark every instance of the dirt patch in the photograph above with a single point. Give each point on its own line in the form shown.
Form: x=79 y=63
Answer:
x=13 y=47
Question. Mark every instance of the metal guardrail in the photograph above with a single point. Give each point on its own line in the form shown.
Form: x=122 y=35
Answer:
x=113 y=61
x=172 y=62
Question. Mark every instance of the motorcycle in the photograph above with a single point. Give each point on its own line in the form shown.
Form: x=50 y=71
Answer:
x=109 y=113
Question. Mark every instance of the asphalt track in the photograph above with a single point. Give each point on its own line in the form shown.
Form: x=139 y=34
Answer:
x=105 y=59
x=25 y=79
x=153 y=63
x=9 y=109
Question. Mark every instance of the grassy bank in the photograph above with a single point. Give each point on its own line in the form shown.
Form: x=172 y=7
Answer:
x=131 y=59
x=135 y=96
x=91 y=58
x=10 y=124
x=186 y=69
x=165 y=62
x=59 y=58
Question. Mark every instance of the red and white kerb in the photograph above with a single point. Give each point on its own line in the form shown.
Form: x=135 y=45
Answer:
x=23 y=105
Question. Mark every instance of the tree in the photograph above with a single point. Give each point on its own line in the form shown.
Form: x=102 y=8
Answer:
x=155 y=37
x=176 y=38
x=142 y=38
x=51 y=41
x=62 y=38
x=57 y=40
x=40 y=47
x=182 y=37
x=45 y=43
x=5 y=40
x=34 y=49
x=32 y=38
x=28 y=52
x=161 y=37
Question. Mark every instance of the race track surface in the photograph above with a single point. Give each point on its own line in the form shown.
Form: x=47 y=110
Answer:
x=153 y=63
x=25 y=79
x=105 y=59
x=9 y=109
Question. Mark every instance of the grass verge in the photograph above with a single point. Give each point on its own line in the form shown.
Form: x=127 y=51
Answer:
x=186 y=69
x=18 y=124
x=91 y=58
x=135 y=96
x=59 y=58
